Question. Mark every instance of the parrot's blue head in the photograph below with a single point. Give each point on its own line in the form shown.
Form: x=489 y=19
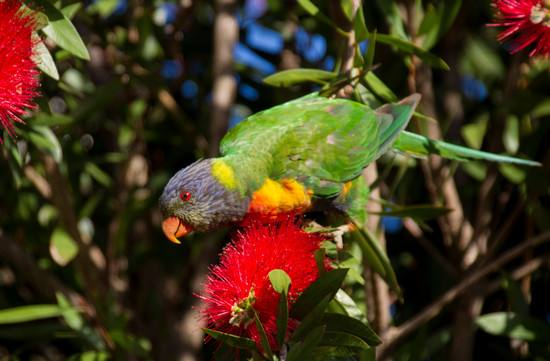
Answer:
x=194 y=200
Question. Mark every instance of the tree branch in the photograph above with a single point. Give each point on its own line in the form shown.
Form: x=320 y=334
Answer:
x=395 y=336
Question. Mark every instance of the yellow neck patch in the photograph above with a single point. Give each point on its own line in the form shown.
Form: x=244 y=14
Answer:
x=224 y=174
x=284 y=196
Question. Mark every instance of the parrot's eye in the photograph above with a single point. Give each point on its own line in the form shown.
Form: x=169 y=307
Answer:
x=185 y=196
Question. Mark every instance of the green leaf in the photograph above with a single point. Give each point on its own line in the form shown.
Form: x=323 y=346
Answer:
x=542 y=109
x=410 y=48
x=310 y=7
x=70 y=10
x=378 y=88
x=70 y=314
x=320 y=256
x=342 y=339
x=510 y=137
x=99 y=175
x=419 y=212
x=369 y=57
x=282 y=318
x=359 y=25
x=303 y=350
x=482 y=60
x=511 y=325
x=514 y=174
x=63 y=248
x=313 y=10
x=393 y=18
x=326 y=285
x=263 y=336
x=44 y=60
x=476 y=170
x=474 y=133
x=437 y=21
x=349 y=306
x=417 y=144
x=29 y=313
x=51 y=120
x=337 y=322
x=280 y=280
x=91 y=356
x=231 y=340
x=291 y=77
x=44 y=139
x=311 y=320
x=376 y=257
x=62 y=31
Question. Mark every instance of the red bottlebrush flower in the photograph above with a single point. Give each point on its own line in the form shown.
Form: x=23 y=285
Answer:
x=527 y=24
x=240 y=281
x=18 y=74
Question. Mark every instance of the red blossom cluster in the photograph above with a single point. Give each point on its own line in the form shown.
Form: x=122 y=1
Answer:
x=18 y=74
x=239 y=285
x=527 y=24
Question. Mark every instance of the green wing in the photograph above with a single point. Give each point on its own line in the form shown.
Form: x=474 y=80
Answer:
x=321 y=142
x=419 y=145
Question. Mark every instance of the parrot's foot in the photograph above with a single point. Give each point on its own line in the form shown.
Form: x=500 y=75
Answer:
x=336 y=233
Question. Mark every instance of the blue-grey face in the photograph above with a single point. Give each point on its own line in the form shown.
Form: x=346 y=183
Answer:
x=193 y=200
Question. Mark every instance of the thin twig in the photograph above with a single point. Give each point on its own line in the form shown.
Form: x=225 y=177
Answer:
x=415 y=230
x=395 y=336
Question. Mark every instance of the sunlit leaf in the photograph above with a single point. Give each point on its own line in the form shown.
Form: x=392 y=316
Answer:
x=29 y=313
x=63 y=247
x=510 y=137
x=291 y=77
x=511 y=325
x=62 y=31
x=44 y=60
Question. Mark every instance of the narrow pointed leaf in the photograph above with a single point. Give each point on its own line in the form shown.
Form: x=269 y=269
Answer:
x=410 y=48
x=44 y=60
x=377 y=258
x=343 y=339
x=326 y=285
x=291 y=77
x=337 y=322
x=231 y=340
x=29 y=313
x=62 y=31
x=302 y=350
x=311 y=320
x=263 y=336
x=281 y=283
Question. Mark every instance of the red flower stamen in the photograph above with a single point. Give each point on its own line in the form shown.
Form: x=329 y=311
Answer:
x=239 y=285
x=18 y=74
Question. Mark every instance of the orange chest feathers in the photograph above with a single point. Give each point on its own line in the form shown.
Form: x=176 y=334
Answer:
x=284 y=196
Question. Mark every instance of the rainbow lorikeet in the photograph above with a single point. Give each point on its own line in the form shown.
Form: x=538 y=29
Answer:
x=292 y=156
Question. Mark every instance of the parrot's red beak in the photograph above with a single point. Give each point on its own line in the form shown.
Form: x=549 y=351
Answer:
x=173 y=228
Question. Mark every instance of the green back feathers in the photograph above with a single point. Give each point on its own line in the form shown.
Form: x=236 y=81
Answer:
x=319 y=141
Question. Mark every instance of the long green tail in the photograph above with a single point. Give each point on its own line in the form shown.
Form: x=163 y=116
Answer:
x=418 y=145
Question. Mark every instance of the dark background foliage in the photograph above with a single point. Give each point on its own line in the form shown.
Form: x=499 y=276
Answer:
x=78 y=210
